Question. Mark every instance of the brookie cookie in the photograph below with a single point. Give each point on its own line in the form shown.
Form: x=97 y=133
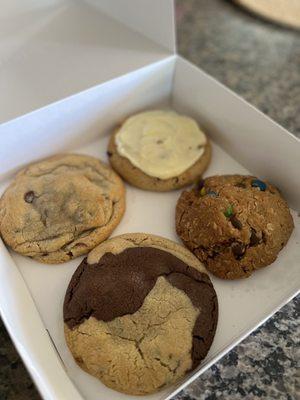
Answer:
x=234 y=224
x=61 y=207
x=140 y=312
x=159 y=150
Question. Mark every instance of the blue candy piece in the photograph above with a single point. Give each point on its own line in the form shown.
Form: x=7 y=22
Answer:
x=259 y=184
x=211 y=193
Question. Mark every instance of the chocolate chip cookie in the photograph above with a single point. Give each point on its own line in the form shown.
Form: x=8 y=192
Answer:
x=159 y=150
x=140 y=311
x=234 y=224
x=61 y=207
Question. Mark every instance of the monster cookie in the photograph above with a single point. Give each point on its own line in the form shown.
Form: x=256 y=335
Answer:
x=61 y=207
x=234 y=224
x=159 y=150
x=140 y=311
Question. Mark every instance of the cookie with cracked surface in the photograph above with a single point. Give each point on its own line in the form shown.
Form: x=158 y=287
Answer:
x=140 y=311
x=61 y=207
x=235 y=224
x=159 y=150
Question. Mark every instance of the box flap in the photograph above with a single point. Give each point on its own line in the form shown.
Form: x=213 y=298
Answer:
x=52 y=49
x=154 y=19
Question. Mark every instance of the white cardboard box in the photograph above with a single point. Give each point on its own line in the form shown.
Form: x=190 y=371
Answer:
x=97 y=62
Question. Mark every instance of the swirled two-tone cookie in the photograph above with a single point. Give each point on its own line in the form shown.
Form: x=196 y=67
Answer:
x=235 y=224
x=61 y=207
x=159 y=150
x=140 y=312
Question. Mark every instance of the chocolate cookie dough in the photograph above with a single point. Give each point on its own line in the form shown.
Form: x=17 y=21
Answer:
x=234 y=224
x=159 y=150
x=61 y=207
x=139 y=313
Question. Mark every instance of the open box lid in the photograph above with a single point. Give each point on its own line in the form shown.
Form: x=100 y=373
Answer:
x=55 y=48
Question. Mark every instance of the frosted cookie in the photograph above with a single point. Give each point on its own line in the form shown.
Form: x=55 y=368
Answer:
x=140 y=312
x=61 y=207
x=159 y=150
x=235 y=224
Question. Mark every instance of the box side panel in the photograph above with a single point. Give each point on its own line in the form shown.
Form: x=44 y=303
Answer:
x=257 y=142
x=152 y=18
x=82 y=117
x=52 y=49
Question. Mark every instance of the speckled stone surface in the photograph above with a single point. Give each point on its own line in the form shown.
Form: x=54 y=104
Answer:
x=264 y=366
x=257 y=59
x=261 y=62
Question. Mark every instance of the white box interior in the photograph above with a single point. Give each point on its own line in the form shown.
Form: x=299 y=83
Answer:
x=243 y=140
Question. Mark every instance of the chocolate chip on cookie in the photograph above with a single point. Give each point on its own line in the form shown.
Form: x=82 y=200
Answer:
x=61 y=207
x=236 y=222
x=237 y=232
x=238 y=249
x=139 y=313
x=254 y=238
x=29 y=196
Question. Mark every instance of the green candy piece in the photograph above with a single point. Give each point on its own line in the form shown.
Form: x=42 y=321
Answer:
x=203 y=191
x=229 y=211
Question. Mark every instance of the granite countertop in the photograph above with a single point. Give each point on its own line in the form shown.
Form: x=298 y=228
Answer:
x=261 y=62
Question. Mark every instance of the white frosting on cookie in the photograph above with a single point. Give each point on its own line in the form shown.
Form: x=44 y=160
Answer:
x=162 y=144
